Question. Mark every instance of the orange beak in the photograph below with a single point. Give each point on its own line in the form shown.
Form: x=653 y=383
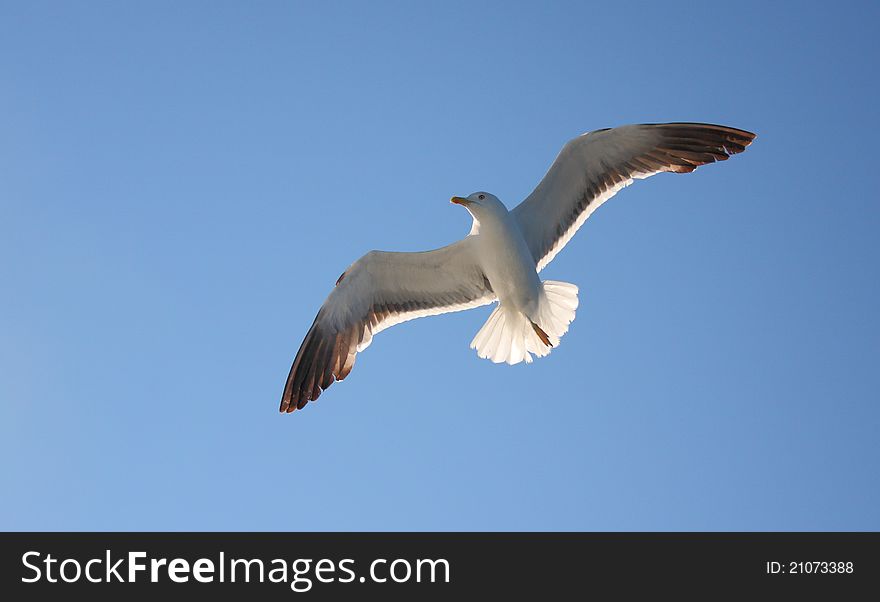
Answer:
x=459 y=200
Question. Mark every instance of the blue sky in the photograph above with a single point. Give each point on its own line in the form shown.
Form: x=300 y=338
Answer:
x=182 y=183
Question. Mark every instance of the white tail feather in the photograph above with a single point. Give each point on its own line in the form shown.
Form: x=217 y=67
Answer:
x=508 y=335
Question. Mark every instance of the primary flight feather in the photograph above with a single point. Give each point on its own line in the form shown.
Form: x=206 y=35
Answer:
x=500 y=258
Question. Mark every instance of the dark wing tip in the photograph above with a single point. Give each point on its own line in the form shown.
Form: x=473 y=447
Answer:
x=683 y=147
x=324 y=357
x=710 y=132
x=705 y=126
x=318 y=364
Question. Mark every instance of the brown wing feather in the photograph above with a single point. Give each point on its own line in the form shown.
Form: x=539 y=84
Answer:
x=390 y=288
x=607 y=159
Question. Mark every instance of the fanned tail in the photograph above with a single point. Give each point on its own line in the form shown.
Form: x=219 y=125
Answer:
x=512 y=337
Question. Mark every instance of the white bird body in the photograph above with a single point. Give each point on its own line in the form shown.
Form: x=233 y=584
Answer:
x=499 y=261
x=531 y=315
x=504 y=256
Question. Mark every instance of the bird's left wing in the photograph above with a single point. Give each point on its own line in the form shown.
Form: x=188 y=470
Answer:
x=592 y=168
x=380 y=290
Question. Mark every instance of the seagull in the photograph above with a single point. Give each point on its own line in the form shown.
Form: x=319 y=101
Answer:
x=500 y=259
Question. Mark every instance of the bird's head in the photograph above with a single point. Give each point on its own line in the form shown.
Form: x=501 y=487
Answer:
x=480 y=204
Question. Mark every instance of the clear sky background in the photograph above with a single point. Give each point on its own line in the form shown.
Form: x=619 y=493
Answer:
x=182 y=183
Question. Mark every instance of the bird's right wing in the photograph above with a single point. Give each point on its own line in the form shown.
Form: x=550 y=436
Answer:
x=593 y=167
x=380 y=290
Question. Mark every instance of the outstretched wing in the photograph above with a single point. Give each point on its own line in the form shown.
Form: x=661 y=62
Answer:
x=591 y=169
x=380 y=290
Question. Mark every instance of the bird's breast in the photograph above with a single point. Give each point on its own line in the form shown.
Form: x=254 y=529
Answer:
x=509 y=266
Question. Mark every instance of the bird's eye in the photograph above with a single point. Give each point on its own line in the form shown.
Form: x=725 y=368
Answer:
x=481 y=197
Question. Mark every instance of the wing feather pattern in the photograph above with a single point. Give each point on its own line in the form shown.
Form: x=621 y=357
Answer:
x=593 y=167
x=380 y=290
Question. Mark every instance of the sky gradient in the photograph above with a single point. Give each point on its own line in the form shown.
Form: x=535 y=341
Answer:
x=182 y=183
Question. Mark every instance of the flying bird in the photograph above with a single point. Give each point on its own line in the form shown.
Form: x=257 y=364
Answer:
x=500 y=259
